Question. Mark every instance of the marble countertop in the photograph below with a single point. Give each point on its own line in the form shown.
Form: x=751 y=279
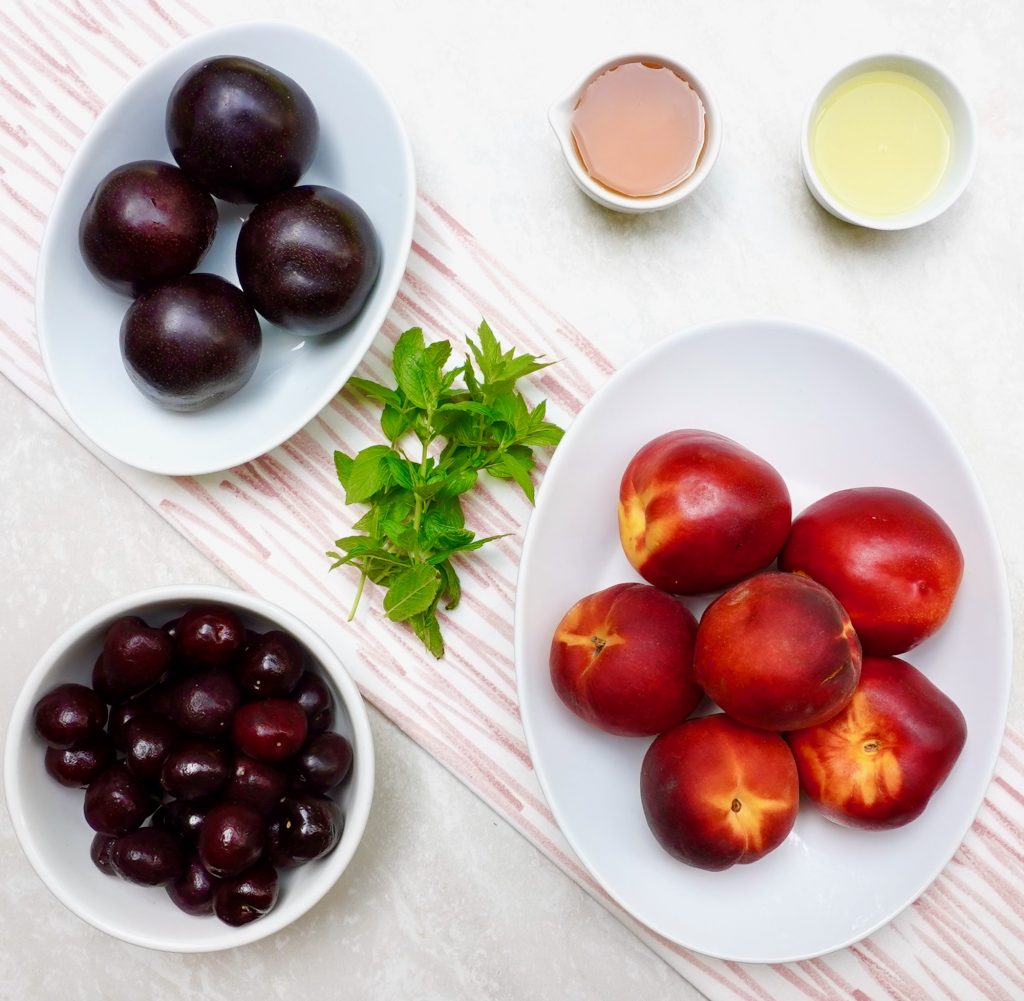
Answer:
x=443 y=899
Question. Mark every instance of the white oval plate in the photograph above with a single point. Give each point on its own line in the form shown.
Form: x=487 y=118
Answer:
x=363 y=152
x=827 y=415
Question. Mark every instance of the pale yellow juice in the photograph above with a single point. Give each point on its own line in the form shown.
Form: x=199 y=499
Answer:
x=880 y=142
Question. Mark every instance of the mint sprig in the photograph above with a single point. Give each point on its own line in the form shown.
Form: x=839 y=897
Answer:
x=444 y=426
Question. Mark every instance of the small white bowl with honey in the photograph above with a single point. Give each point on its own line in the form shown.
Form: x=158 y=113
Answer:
x=639 y=132
x=888 y=143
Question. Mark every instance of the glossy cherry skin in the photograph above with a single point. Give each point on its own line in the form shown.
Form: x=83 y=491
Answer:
x=135 y=657
x=116 y=802
x=323 y=763
x=149 y=857
x=313 y=695
x=275 y=851
x=193 y=890
x=205 y=702
x=247 y=897
x=148 y=741
x=231 y=839
x=121 y=714
x=242 y=130
x=68 y=714
x=183 y=818
x=193 y=769
x=146 y=223
x=257 y=783
x=190 y=343
x=312 y=826
x=78 y=765
x=101 y=851
x=209 y=636
x=271 y=665
x=308 y=259
x=271 y=730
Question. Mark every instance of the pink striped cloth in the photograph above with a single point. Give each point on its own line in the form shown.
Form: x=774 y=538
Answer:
x=268 y=523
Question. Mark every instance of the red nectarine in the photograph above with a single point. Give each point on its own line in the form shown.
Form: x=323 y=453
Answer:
x=622 y=659
x=698 y=512
x=716 y=793
x=887 y=556
x=877 y=763
x=777 y=652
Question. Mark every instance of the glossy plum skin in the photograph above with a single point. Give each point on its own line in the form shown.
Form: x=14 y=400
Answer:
x=145 y=224
x=76 y=766
x=116 y=802
x=777 y=652
x=699 y=512
x=892 y=562
x=716 y=793
x=231 y=839
x=68 y=714
x=135 y=656
x=244 y=898
x=241 y=130
x=308 y=259
x=877 y=764
x=270 y=730
x=190 y=343
x=622 y=660
x=149 y=857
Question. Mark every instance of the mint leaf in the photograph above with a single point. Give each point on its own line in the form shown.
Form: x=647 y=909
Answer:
x=367 y=475
x=375 y=391
x=411 y=592
x=428 y=629
x=511 y=467
x=343 y=466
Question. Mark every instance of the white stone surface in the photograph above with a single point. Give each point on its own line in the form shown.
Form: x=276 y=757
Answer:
x=444 y=900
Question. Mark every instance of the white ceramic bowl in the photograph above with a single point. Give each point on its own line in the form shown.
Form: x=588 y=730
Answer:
x=827 y=415
x=363 y=152
x=48 y=817
x=963 y=147
x=560 y=117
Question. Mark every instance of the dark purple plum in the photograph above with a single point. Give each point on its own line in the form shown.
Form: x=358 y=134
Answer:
x=183 y=817
x=271 y=665
x=311 y=826
x=116 y=802
x=323 y=763
x=76 y=766
x=210 y=636
x=257 y=783
x=239 y=129
x=135 y=657
x=247 y=897
x=270 y=730
x=314 y=698
x=194 y=768
x=205 y=702
x=308 y=259
x=191 y=342
x=68 y=714
x=193 y=890
x=148 y=741
x=145 y=224
x=231 y=839
x=101 y=851
x=149 y=857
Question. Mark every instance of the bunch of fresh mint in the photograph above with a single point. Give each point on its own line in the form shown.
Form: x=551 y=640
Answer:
x=444 y=426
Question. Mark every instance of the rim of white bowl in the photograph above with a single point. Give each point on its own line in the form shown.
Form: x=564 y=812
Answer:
x=964 y=127
x=331 y=867
x=377 y=314
x=560 y=116
x=994 y=739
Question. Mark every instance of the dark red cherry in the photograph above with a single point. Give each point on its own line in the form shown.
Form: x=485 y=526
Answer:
x=148 y=741
x=313 y=695
x=257 y=783
x=122 y=714
x=183 y=817
x=135 y=657
x=209 y=636
x=101 y=851
x=311 y=827
x=231 y=839
x=116 y=802
x=205 y=702
x=149 y=857
x=69 y=713
x=324 y=762
x=271 y=730
x=193 y=890
x=271 y=666
x=78 y=765
x=275 y=850
x=247 y=897
x=194 y=768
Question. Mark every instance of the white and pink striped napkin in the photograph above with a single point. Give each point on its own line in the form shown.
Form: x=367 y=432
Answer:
x=268 y=523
